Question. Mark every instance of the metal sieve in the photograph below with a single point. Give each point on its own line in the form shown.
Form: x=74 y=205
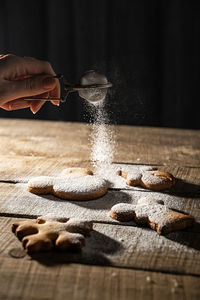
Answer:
x=92 y=87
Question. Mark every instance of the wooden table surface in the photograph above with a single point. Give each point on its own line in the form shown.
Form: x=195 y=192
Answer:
x=120 y=261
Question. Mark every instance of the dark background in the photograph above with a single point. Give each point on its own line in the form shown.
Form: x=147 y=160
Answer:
x=148 y=49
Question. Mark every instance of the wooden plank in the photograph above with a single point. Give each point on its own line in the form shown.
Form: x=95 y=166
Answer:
x=133 y=144
x=35 y=281
x=121 y=246
x=155 y=135
x=45 y=147
x=16 y=200
x=20 y=169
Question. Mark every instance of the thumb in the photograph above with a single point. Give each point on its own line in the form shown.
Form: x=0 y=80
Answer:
x=31 y=86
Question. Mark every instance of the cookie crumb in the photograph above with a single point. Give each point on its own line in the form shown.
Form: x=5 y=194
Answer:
x=175 y=283
x=148 y=279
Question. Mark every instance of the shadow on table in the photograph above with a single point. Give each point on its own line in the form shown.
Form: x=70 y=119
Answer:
x=181 y=188
x=187 y=237
x=185 y=189
x=105 y=202
x=97 y=251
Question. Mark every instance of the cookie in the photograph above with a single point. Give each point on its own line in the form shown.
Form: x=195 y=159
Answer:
x=47 y=233
x=148 y=177
x=133 y=179
x=72 y=186
x=152 y=213
x=157 y=180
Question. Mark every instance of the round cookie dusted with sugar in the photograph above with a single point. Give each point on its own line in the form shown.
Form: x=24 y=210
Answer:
x=80 y=187
x=72 y=186
x=157 y=180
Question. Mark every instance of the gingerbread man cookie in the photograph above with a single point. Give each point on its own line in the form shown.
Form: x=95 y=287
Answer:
x=72 y=184
x=47 y=233
x=152 y=213
x=148 y=177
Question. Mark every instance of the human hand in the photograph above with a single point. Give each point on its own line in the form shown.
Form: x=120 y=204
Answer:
x=22 y=77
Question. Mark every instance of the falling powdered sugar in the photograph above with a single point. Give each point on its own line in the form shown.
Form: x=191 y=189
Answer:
x=101 y=138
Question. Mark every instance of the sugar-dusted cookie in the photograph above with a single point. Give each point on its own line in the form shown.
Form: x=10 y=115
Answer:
x=152 y=213
x=72 y=185
x=133 y=179
x=148 y=177
x=157 y=180
x=47 y=233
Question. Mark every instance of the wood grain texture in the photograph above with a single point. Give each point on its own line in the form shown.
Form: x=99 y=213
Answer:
x=134 y=144
x=33 y=280
x=32 y=148
x=21 y=168
x=121 y=246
